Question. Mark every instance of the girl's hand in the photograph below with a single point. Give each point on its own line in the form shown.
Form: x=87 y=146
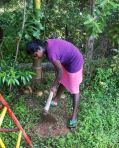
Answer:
x=54 y=90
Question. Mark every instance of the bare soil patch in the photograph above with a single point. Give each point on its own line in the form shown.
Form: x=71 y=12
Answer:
x=53 y=124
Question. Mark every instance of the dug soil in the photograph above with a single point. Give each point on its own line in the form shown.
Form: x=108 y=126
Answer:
x=50 y=125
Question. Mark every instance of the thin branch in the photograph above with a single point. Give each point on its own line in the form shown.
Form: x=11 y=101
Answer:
x=1 y=54
x=22 y=30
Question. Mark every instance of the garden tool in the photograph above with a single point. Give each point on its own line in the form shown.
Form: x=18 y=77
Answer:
x=46 y=116
x=47 y=106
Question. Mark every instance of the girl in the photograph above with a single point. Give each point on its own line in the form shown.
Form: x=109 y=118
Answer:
x=68 y=63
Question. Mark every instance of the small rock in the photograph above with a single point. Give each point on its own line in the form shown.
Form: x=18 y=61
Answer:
x=46 y=92
x=39 y=93
x=27 y=90
x=63 y=96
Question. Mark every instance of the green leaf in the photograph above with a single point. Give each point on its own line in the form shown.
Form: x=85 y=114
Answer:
x=90 y=19
x=10 y=82
x=4 y=79
x=113 y=4
x=17 y=82
x=27 y=36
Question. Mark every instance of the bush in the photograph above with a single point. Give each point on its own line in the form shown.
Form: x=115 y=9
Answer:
x=11 y=75
x=107 y=78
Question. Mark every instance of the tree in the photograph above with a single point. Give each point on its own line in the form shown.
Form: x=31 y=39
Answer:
x=37 y=62
x=90 y=43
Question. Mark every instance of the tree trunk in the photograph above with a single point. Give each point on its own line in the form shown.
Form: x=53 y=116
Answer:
x=1 y=35
x=89 y=55
x=36 y=62
x=66 y=33
x=82 y=5
x=90 y=45
x=37 y=6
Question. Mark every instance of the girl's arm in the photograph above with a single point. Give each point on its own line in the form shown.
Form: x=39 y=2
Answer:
x=58 y=73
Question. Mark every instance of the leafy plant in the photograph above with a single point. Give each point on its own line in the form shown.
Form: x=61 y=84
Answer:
x=95 y=23
x=114 y=33
x=11 y=75
x=102 y=78
x=108 y=78
x=33 y=26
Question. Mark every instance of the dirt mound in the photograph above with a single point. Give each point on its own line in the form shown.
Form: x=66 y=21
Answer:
x=50 y=127
x=53 y=124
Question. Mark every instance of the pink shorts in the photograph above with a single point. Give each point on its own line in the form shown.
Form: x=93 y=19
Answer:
x=71 y=81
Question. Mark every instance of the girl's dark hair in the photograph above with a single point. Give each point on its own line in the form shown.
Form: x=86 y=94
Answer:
x=32 y=46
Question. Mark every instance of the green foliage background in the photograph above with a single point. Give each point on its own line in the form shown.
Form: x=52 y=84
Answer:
x=54 y=19
x=99 y=108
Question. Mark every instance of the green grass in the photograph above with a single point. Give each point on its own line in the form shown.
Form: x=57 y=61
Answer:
x=98 y=120
x=97 y=124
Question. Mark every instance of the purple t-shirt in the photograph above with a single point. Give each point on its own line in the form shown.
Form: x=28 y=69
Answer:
x=64 y=51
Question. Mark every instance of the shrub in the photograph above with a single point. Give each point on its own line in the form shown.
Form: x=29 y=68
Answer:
x=11 y=75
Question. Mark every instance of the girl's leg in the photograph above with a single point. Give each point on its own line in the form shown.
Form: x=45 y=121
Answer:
x=75 y=102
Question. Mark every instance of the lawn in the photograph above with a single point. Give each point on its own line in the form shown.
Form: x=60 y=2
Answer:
x=98 y=118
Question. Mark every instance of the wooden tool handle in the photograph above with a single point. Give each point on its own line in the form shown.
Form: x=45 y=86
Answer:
x=47 y=106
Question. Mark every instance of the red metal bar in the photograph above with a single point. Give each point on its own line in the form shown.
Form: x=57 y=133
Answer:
x=9 y=130
x=1 y=107
x=15 y=120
